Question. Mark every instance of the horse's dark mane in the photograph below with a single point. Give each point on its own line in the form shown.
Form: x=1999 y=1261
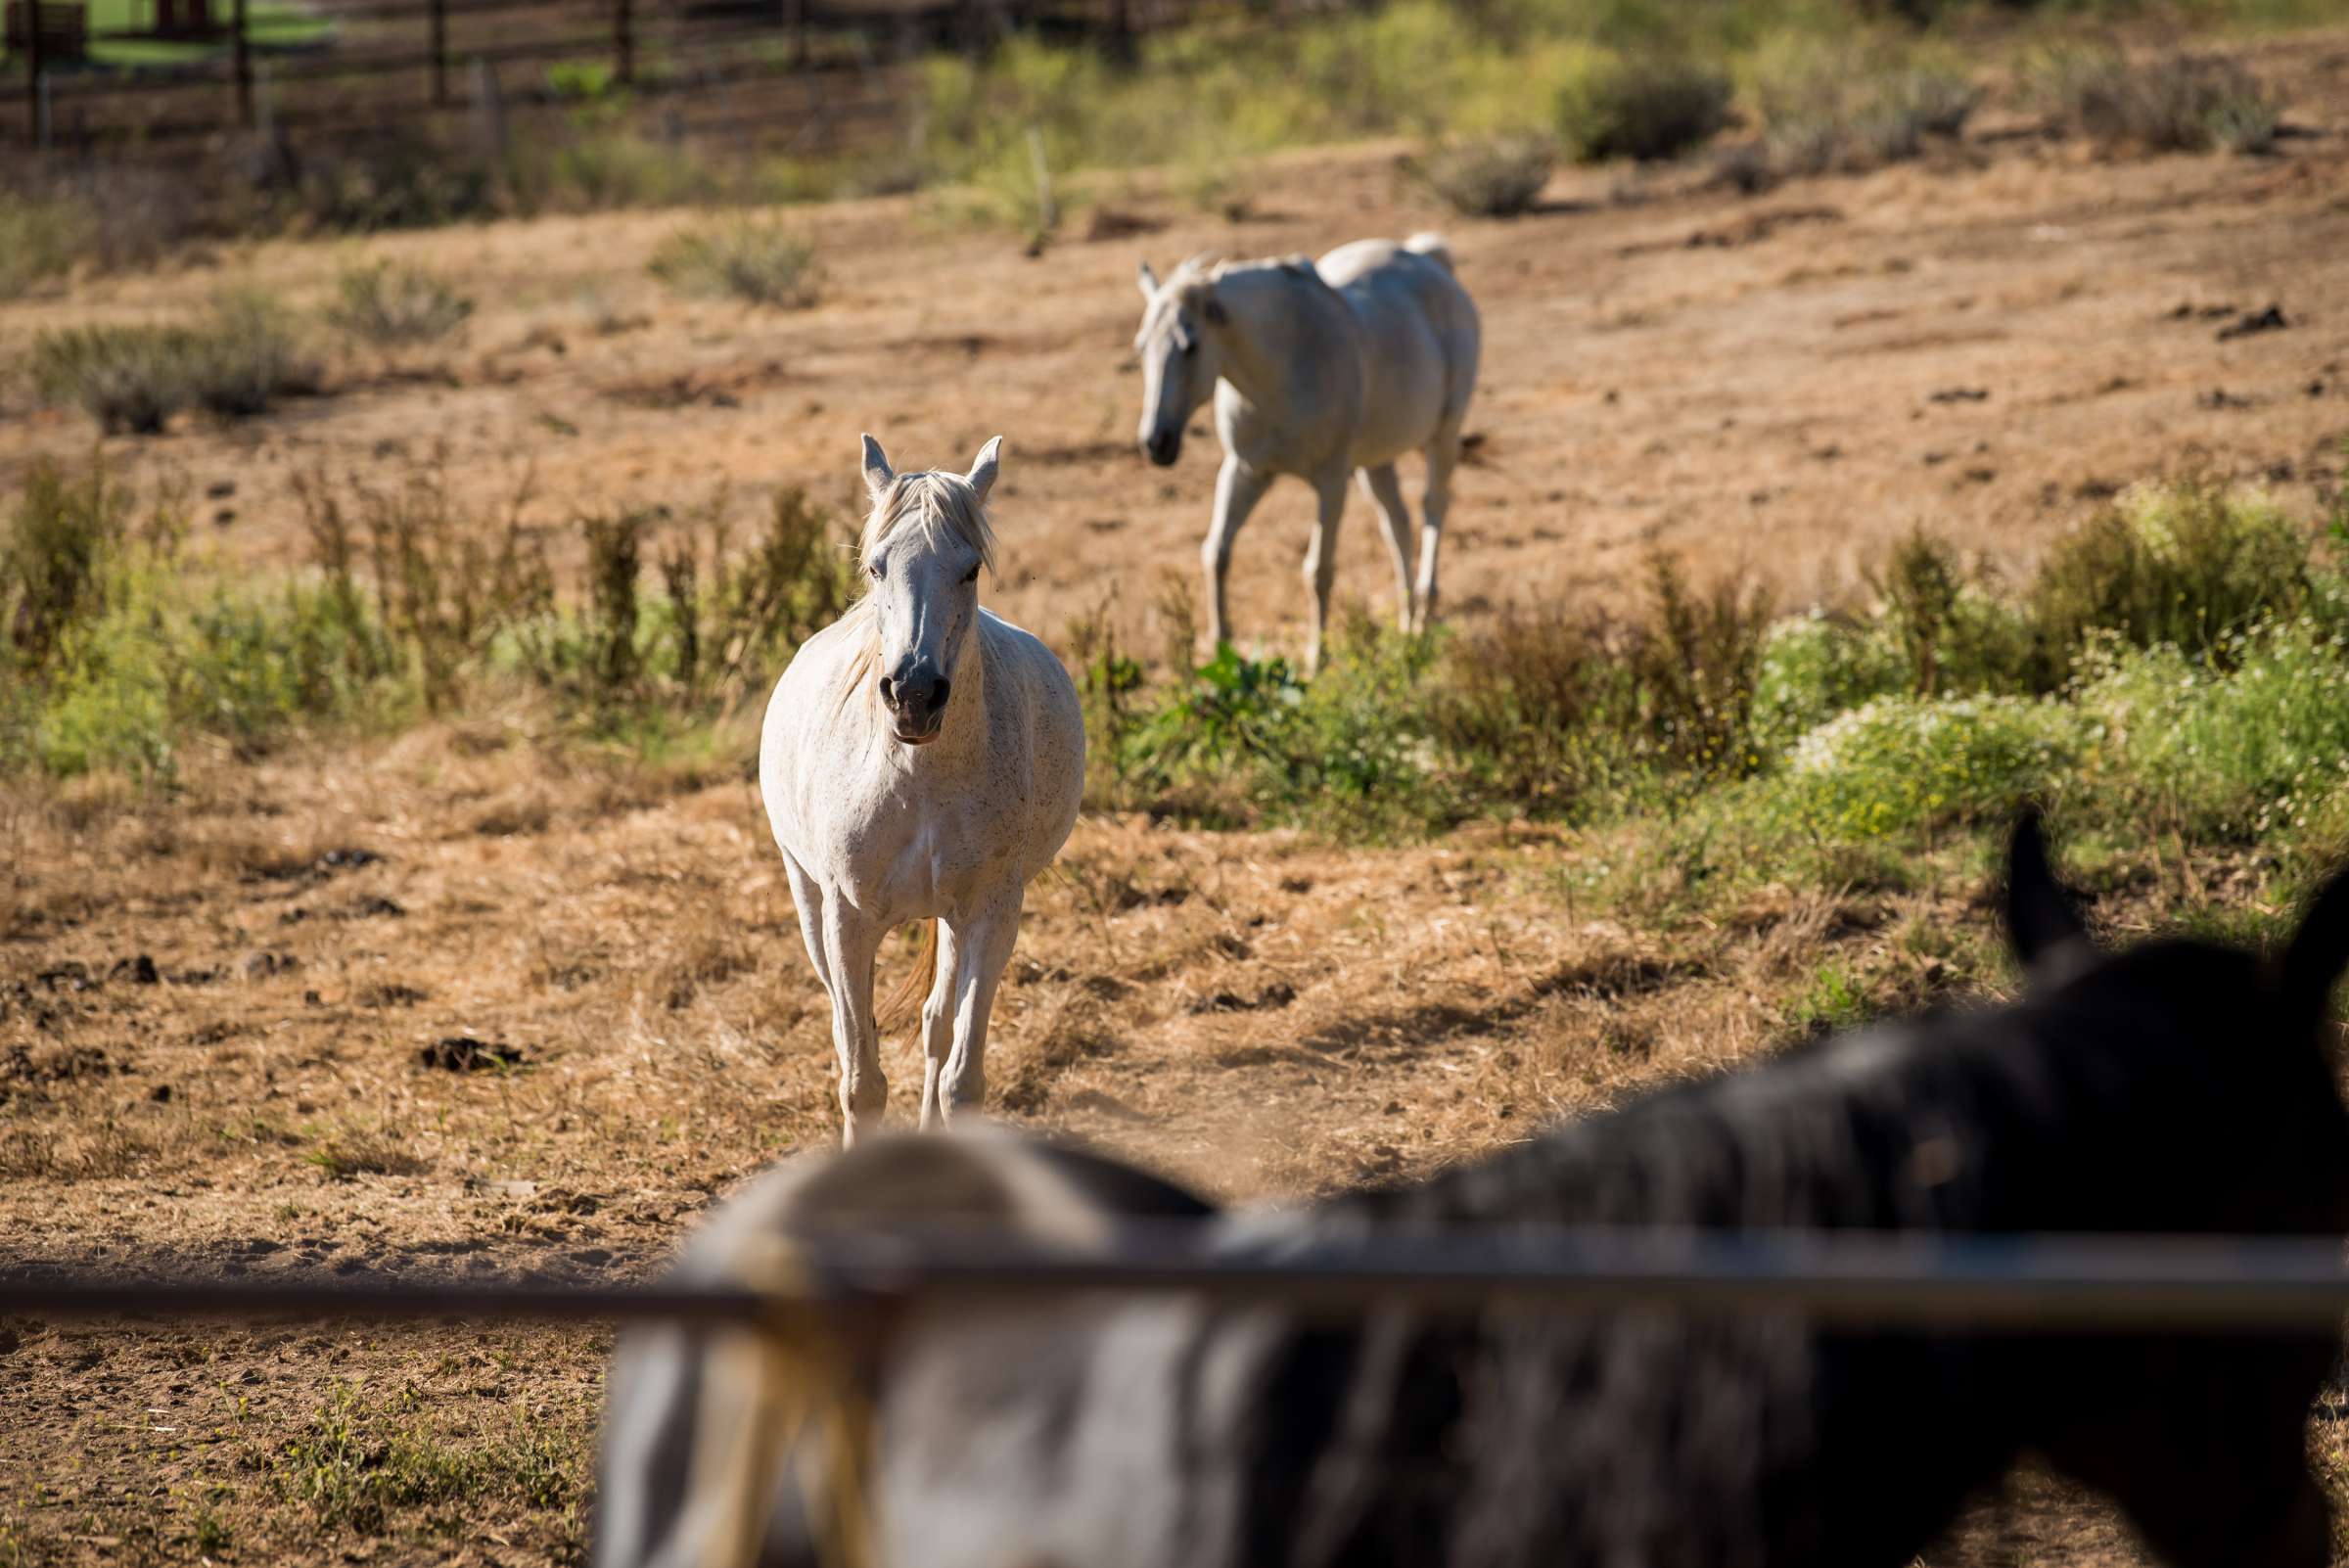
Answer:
x=2144 y=1091
x=1968 y=1118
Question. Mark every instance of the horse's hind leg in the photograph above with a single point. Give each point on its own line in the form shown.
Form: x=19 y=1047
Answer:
x=1443 y=456
x=982 y=946
x=1321 y=557
x=1386 y=493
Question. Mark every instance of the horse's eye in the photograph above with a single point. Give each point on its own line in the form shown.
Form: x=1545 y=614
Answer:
x=972 y=575
x=874 y=572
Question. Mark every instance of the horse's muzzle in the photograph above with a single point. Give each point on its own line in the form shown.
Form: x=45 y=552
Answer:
x=916 y=700
x=1164 y=448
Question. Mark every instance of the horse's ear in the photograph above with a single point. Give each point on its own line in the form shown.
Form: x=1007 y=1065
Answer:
x=2320 y=949
x=2043 y=918
x=877 y=472
x=982 y=469
x=1147 y=279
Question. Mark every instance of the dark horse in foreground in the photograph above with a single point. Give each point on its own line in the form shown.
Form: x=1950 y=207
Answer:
x=2175 y=1086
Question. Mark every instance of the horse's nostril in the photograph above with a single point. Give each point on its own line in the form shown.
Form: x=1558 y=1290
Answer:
x=937 y=694
x=888 y=690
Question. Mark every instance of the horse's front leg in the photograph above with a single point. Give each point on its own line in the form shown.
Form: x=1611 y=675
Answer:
x=940 y=1013
x=1238 y=488
x=852 y=940
x=983 y=944
x=1321 y=556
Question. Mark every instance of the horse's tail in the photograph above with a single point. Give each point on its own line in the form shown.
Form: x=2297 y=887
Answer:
x=905 y=999
x=1432 y=246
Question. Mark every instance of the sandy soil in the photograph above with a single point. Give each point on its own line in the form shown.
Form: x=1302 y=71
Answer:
x=214 y=1009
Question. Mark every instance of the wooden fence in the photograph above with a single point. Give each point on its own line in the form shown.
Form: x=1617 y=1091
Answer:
x=382 y=62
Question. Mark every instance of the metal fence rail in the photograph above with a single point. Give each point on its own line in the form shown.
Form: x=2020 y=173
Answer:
x=1878 y=1279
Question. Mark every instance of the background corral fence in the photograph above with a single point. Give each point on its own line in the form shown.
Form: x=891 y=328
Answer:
x=167 y=77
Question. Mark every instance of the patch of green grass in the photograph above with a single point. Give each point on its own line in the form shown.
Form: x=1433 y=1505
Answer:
x=117 y=644
x=386 y=1465
x=1901 y=766
x=2245 y=746
x=1835 y=998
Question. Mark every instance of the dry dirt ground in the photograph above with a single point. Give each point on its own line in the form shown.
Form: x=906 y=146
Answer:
x=228 y=1018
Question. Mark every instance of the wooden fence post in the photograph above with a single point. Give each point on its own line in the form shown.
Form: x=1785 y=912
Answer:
x=34 y=64
x=240 y=65
x=439 y=19
x=624 y=43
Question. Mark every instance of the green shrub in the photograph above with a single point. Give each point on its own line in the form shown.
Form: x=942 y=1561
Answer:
x=1907 y=765
x=761 y=263
x=1551 y=712
x=128 y=378
x=1535 y=707
x=397 y=306
x=1955 y=634
x=131 y=379
x=2187 y=562
x=146 y=658
x=580 y=80
x=1647 y=108
x=1694 y=660
x=1830 y=103
x=1908 y=105
x=57 y=544
x=116 y=645
x=246 y=357
x=2251 y=743
x=600 y=164
x=1356 y=763
x=2174 y=103
x=1816 y=665
x=1239 y=739
x=1109 y=685
x=1491 y=176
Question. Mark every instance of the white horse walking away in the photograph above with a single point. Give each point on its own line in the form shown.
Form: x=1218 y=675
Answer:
x=1322 y=369
x=921 y=759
